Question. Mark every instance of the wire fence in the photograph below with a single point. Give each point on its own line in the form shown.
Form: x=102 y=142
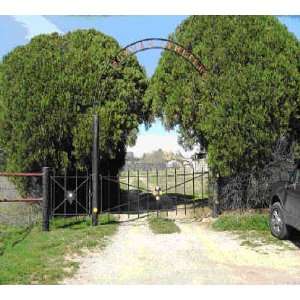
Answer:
x=131 y=192
x=20 y=197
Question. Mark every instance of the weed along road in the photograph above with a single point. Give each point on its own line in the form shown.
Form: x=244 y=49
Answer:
x=194 y=254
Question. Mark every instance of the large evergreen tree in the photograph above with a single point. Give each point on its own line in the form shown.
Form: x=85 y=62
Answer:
x=244 y=102
x=51 y=87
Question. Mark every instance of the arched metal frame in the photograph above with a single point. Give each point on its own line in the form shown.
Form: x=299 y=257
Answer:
x=155 y=43
x=160 y=43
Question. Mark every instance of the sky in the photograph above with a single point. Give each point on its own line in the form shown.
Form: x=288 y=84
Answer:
x=18 y=30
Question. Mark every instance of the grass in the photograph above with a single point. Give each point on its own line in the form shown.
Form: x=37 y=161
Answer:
x=242 y=222
x=253 y=230
x=160 y=225
x=30 y=256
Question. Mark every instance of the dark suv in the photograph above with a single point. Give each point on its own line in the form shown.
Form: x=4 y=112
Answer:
x=285 y=206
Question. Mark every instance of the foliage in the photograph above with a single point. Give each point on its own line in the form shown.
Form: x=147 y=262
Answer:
x=160 y=225
x=30 y=256
x=160 y=156
x=249 y=190
x=48 y=89
x=244 y=102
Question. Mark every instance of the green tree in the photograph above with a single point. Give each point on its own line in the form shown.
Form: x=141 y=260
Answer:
x=244 y=102
x=51 y=87
x=154 y=157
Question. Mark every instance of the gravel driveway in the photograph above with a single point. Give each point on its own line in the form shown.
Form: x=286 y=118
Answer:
x=196 y=255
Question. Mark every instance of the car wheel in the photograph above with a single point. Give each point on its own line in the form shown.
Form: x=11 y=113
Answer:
x=277 y=223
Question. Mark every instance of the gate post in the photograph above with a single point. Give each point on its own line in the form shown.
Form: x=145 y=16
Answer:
x=46 y=214
x=215 y=198
x=95 y=175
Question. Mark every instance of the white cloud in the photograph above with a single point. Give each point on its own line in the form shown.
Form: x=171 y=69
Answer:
x=149 y=142
x=36 y=25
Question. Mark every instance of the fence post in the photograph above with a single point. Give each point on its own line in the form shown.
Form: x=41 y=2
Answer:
x=46 y=199
x=95 y=170
x=184 y=190
x=147 y=192
x=215 y=199
x=108 y=194
x=119 y=193
x=65 y=192
x=76 y=186
x=128 y=199
x=175 y=177
x=202 y=186
x=147 y=180
x=184 y=180
x=157 y=207
x=101 y=193
x=138 y=186
x=193 y=183
x=166 y=180
x=194 y=192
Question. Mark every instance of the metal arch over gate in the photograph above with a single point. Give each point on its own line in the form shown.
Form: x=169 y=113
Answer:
x=161 y=43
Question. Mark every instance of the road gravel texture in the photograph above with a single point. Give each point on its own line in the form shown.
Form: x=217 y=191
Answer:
x=196 y=255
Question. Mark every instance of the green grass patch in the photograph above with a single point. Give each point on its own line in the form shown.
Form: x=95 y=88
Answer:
x=242 y=222
x=258 y=239
x=11 y=235
x=31 y=256
x=160 y=225
x=252 y=229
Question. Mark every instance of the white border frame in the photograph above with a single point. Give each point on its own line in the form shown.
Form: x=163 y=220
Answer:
x=150 y=7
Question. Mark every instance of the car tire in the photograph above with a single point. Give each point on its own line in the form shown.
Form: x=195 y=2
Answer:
x=278 y=227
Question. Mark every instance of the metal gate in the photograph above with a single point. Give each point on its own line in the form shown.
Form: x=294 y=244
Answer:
x=70 y=195
x=132 y=192
x=139 y=192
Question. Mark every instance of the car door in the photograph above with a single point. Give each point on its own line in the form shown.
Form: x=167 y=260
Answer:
x=292 y=204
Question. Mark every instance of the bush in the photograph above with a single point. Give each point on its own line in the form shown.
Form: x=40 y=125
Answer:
x=49 y=90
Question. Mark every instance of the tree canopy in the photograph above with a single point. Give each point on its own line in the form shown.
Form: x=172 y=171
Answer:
x=49 y=90
x=160 y=156
x=246 y=99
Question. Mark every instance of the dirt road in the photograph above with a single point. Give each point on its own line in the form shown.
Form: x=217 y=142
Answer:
x=196 y=255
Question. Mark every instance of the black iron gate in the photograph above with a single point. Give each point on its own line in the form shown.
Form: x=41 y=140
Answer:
x=139 y=192
x=70 y=195
x=131 y=193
